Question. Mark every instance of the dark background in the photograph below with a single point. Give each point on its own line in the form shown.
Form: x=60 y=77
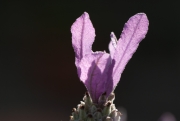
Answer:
x=38 y=78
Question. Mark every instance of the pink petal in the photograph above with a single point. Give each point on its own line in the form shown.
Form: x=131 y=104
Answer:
x=134 y=31
x=83 y=35
x=93 y=73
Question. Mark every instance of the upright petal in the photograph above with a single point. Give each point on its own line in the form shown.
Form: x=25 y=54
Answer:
x=112 y=44
x=134 y=31
x=83 y=35
x=93 y=73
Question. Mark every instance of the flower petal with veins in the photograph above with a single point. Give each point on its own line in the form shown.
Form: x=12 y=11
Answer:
x=93 y=73
x=83 y=35
x=134 y=31
x=99 y=71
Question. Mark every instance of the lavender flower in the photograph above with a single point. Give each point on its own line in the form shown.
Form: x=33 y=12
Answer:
x=99 y=71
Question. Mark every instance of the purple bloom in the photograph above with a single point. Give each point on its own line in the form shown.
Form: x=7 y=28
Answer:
x=99 y=71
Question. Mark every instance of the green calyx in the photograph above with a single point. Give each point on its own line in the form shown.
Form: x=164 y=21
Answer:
x=105 y=110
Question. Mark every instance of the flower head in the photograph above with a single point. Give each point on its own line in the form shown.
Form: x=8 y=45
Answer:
x=99 y=71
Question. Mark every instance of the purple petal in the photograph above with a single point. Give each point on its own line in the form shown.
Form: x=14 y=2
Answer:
x=112 y=44
x=134 y=31
x=83 y=35
x=93 y=73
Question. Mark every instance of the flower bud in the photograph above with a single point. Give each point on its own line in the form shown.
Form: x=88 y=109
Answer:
x=98 y=114
x=75 y=113
x=82 y=103
x=78 y=107
x=82 y=113
x=102 y=99
x=111 y=97
x=107 y=109
x=88 y=101
x=71 y=118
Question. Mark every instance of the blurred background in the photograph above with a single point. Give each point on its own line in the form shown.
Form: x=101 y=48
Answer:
x=38 y=78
